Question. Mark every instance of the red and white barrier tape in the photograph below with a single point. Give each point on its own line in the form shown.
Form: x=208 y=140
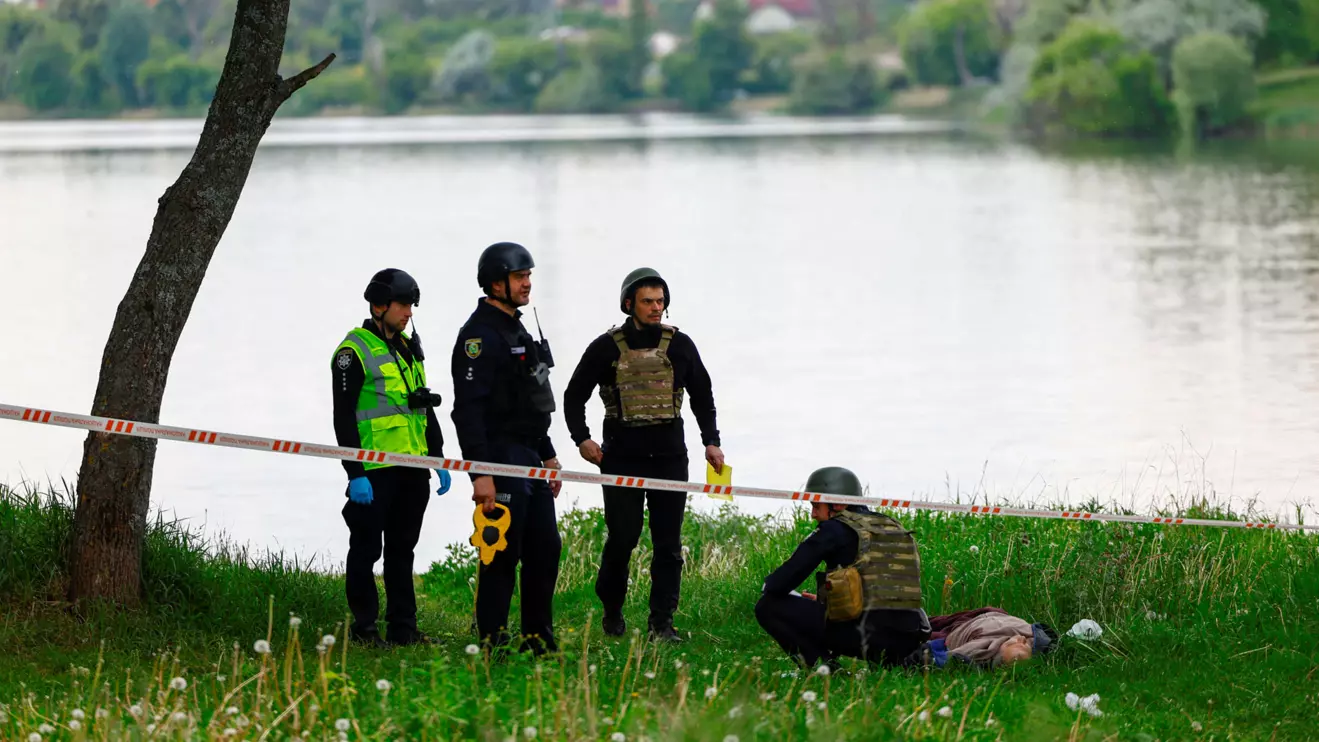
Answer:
x=298 y=448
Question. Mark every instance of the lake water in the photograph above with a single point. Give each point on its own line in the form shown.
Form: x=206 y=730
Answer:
x=946 y=316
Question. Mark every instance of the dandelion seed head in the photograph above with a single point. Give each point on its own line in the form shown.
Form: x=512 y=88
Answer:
x=232 y=711
x=135 y=710
x=618 y=737
x=731 y=738
x=294 y=622
x=179 y=718
x=1196 y=727
x=34 y=737
x=327 y=640
x=231 y=732
x=473 y=650
x=990 y=722
x=343 y=725
x=221 y=678
x=178 y=684
x=822 y=706
x=808 y=696
x=975 y=549
x=78 y=714
x=75 y=725
x=677 y=664
x=242 y=722
x=710 y=692
x=823 y=670
x=735 y=712
x=923 y=716
x=261 y=646
x=102 y=714
x=529 y=732
x=607 y=721
x=945 y=712
x=766 y=697
x=383 y=685
x=592 y=669
x=151 y=729
x=650 y=676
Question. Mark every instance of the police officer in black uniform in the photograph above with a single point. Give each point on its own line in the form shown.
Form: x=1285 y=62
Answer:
x=385 y=503
x=501 y=409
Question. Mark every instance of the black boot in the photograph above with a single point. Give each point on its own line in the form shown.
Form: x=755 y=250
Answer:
x=369 y=638
x=614 y=624
x=663 y=631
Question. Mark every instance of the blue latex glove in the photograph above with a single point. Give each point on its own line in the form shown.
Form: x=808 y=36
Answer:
x=446 y=481
x=359 y=491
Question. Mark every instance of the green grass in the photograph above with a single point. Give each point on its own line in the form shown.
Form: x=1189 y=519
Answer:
x=1208 y=634
x=1288 y=101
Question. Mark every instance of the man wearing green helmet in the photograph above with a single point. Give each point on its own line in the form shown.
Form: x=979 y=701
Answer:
x=869 y=599
x=642 y=368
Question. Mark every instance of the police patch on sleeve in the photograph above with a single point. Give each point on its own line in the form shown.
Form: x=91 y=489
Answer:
x=344 y=360
x=472 y=346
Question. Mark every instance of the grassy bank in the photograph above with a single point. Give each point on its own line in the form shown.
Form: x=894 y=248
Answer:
x=1207 y=634
x=1288 y=103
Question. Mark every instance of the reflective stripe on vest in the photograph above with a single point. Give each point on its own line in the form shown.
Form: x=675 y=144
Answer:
x=887 y=559
x=644 y=391
x=384 y=420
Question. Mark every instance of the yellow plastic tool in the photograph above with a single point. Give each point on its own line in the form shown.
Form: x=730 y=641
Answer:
x=488 y=537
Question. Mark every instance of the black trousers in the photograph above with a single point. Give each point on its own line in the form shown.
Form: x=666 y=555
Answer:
x=399 y=498
x=799 y=626
x=624 y=510
x=533 y=540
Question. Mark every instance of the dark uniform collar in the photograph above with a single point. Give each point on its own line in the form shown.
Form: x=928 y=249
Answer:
x=644 y=334
x=489 y=312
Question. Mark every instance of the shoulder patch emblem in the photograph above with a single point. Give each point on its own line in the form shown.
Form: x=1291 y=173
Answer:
x=344 y=360
x=472 y=347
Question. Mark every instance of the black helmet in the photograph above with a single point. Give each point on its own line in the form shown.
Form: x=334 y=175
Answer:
x=834 y=480
x=634 y=281
x=501 y=259
x=392 y=284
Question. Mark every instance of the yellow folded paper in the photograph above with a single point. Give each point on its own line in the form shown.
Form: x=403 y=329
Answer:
x=713 y=477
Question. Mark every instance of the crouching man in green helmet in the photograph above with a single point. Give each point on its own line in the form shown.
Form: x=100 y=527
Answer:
x=869 y=601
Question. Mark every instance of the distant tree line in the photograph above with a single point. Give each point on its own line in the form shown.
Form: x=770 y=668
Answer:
x=1079 y=67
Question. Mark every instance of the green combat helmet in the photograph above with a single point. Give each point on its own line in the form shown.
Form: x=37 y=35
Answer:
x=834 y=480
x=636 y=277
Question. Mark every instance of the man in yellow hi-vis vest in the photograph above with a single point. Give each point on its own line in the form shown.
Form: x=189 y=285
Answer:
x=382 y=403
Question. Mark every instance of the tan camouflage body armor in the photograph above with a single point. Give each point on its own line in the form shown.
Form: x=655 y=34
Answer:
x=885 y=575
x=644 y=386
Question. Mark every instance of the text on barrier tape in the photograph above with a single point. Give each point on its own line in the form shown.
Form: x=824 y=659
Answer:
x=297 y=448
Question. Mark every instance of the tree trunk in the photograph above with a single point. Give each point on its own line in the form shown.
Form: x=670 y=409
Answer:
x=959 y=55
x=114 y=483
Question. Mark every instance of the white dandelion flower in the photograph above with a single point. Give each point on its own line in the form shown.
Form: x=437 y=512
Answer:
x=990 y=722
x=945 y=712
x=650 y=676
x=78 y=714
x=923 y=716
x=178 y=684
x=34 y=737
x=618 y=737
x=294 y=622
x=766 y=697
x=151 y=729
x=735 y=712
x=471 y=580
x=383 y=685
x=135 y=710
x=822 y=706
x=731 y=738
x=529 y=732
x=710 y=692
x=592 y=669
x=242 y=722
x=343 y=725
x=975 y=549
x=261 y=647
x=473 y=650
x=808 y=696
x=607 y=721
x=1196 y=727
x=1073 y=701
x=75 y=725
x=823 y=670
x=221 y=678
x=232 y=711
x=231 y=732
x=102 y=714
x=327 y=640
x=179 y=718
